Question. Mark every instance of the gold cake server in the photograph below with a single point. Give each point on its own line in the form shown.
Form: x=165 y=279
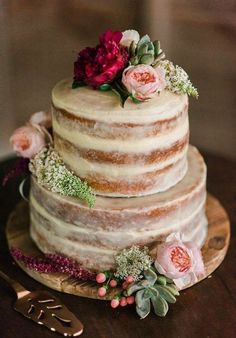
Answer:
x=45 y=309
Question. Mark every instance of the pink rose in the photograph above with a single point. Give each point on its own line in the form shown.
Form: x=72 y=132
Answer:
x=101 y=64
x=180 y=261
x=42 y=118
x=27 y=141
x=143 y=81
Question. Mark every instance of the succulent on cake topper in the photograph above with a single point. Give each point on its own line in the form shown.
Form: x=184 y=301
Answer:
x=130 y=66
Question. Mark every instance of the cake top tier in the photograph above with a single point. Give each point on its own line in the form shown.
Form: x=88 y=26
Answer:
x=104 y=106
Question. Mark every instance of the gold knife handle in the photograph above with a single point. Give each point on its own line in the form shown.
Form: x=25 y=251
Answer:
x=17 y=287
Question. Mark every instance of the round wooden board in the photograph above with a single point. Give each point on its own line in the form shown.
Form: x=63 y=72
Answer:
x=17 y=232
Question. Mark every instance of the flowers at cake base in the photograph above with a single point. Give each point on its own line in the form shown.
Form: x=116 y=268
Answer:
x=180 y=261
x=143 y=81
x=132 y=262
x=52 y=263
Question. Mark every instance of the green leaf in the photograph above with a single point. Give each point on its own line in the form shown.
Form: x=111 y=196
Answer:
x=134 y=60
x=123 y=94
x=133 y=288
x=146 y=59
x=165 y=293
x=145 y=309
x=132 y=48
x=157 y=47
x=169 y=280
x=172 y=288
x=77 y=84
x=151 y=48
x=105 y=87
x=161 y=280
x=147 y=294
x=160 y=306
x=143 y=40
x=150 y=276
x=142 y=49
x=139 y=297
x=135 y=100
x=143 y=305
x=153 y=291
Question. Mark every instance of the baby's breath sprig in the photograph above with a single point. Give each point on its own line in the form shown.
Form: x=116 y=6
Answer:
x=132 y=262
x=177 y=79
x=51 y=172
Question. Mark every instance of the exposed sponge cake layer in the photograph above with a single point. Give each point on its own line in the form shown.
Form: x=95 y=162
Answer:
x=132 y=151
x=94 y=236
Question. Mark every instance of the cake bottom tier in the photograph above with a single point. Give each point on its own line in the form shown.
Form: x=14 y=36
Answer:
x=93 y=236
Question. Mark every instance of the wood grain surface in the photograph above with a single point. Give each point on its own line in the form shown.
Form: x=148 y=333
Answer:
x=206 y=310
x=17 y=232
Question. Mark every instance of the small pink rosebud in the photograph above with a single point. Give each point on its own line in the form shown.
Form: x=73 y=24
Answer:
x=102 y=291
x=113 y=283
x=130 y=300
x=115 y=303
x=130 y=279
x=101 y=277
x=123 y=301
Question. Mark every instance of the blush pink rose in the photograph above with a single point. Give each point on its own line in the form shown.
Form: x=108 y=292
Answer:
x=143 y=81
x=42 y=118
x=180 y=261
x=27 y=141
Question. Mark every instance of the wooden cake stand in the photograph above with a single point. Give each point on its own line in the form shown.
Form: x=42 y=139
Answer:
x=17 y=231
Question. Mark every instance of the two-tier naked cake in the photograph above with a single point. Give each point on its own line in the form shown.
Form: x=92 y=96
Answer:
x=140 y=150
x=119 y=184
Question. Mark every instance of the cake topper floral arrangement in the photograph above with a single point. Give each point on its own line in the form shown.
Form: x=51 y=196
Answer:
x=130 y=66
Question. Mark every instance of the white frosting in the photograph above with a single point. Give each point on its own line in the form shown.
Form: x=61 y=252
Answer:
x=86 y=167
x=116 y=238
x=137 y=146
x=105 y=106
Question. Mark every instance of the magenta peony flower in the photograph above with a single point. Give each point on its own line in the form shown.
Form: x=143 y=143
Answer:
x=27 y=141
x=42 y=118
x=180 y=261
x=99 y=65
x=143 y=81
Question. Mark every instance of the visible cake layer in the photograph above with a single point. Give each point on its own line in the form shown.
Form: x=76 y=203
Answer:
x=132 y=151
x=93 y=236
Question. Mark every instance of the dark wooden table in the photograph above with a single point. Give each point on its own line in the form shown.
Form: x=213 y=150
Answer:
x=207 y=310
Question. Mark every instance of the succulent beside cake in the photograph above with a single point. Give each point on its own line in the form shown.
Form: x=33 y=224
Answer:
x=118 y=189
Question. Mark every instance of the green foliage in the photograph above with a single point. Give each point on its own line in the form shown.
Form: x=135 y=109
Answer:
x=146 y=52
x=153 y=289
x=132 y=261
x=177 y=79
x=51 y=172
x=77 y=84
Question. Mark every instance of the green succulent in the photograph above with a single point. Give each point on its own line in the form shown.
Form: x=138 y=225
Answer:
x=145 y=52
x=155 y=290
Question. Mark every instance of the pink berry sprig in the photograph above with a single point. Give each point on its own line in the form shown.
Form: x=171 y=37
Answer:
x=102 y=291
